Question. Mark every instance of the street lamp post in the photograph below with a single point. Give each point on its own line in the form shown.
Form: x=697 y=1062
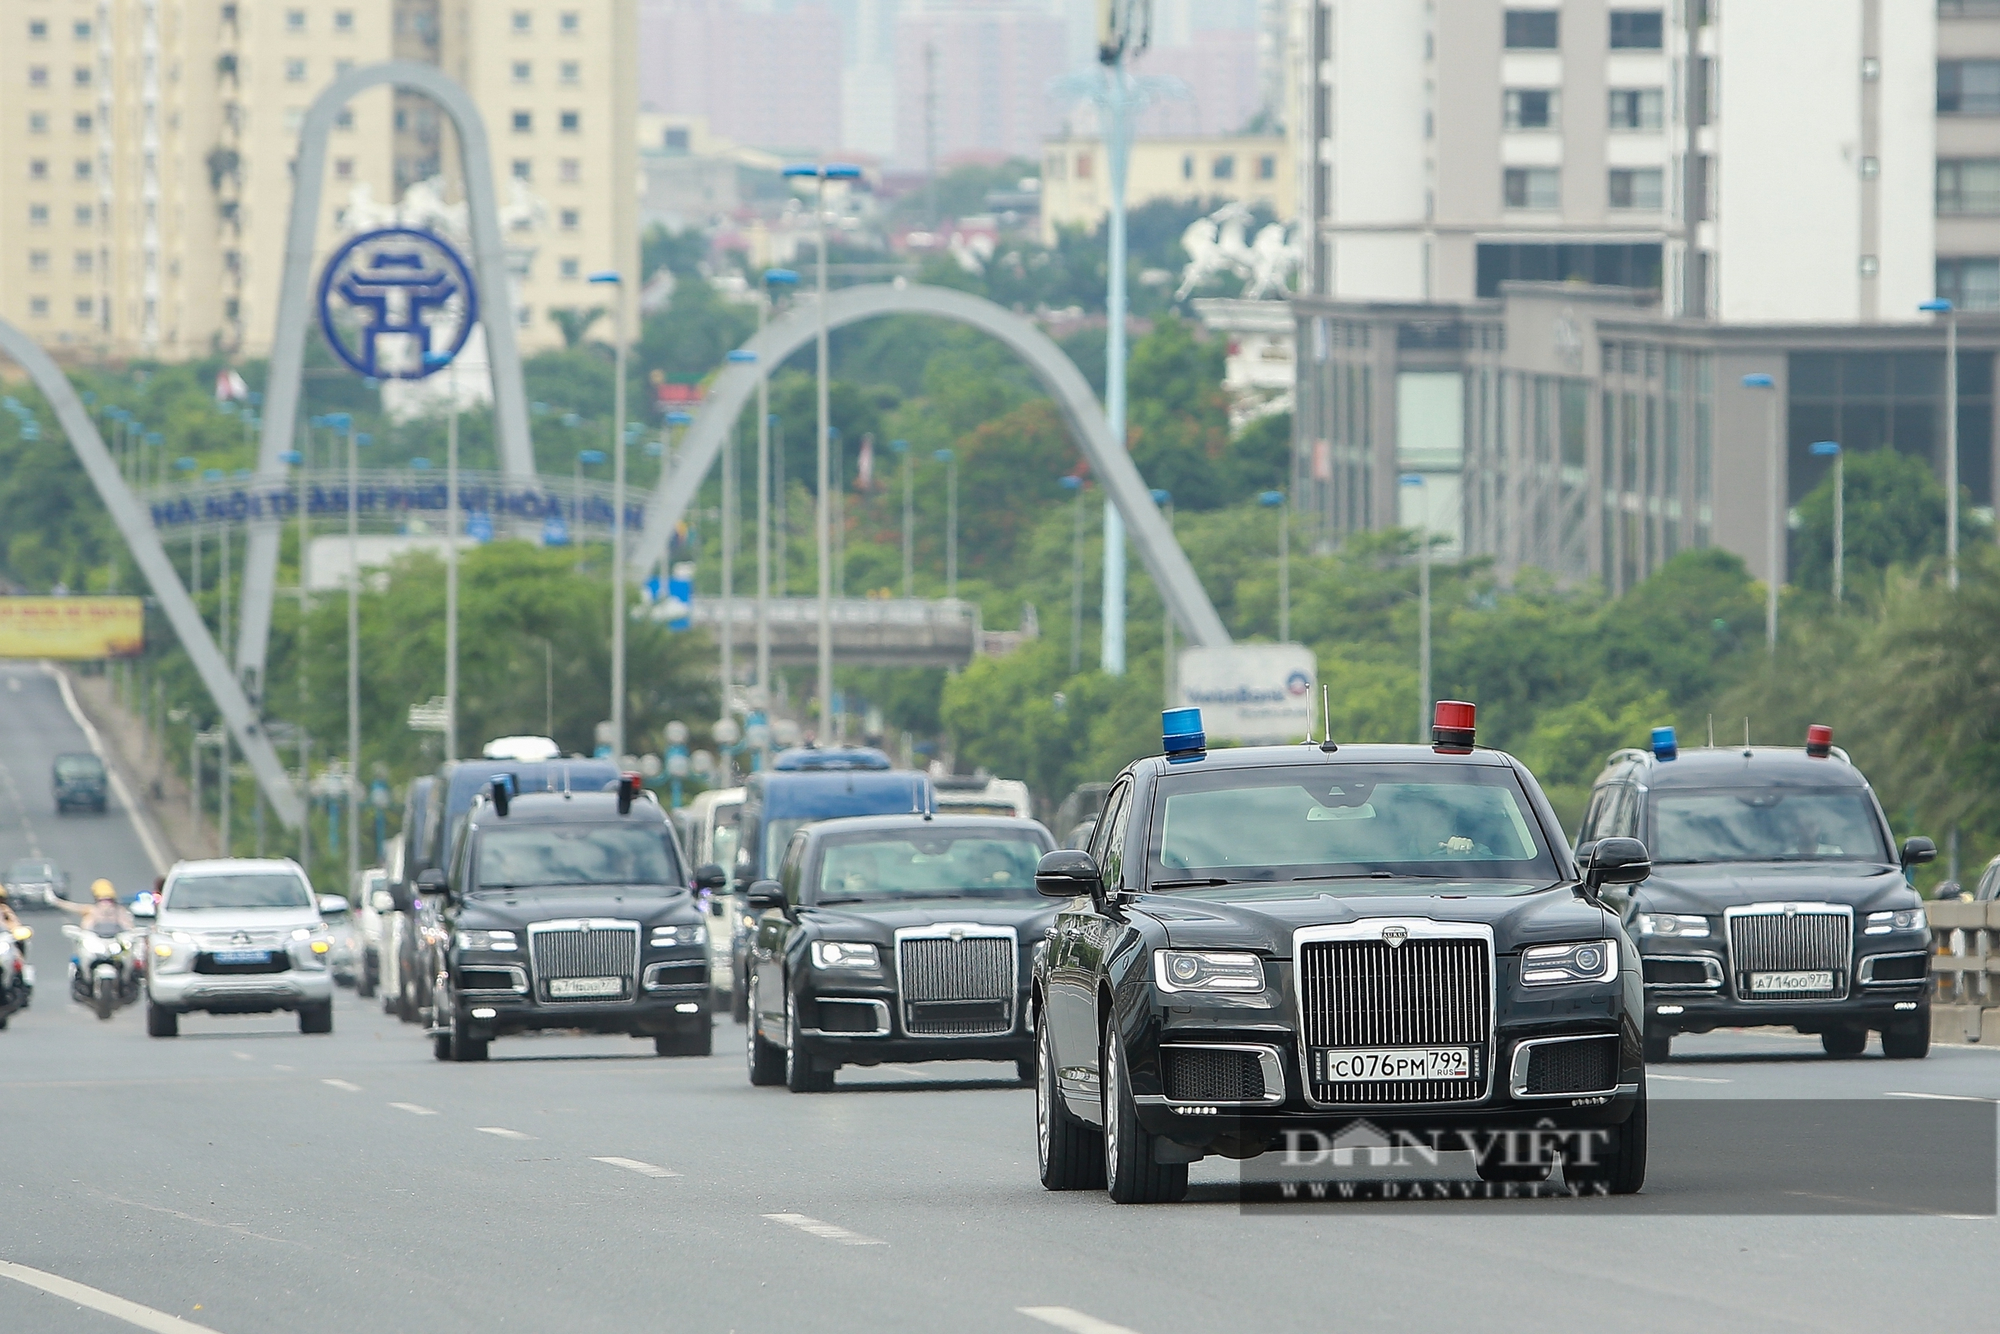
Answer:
x=342 y=421
x=1950 y=313
x=950 y=462
x=1831 y=449
x=902 y=448
x=1074 y=485
x=1416 y=479
x=452 y=524
x=1774 y=540
x=622 y=336
x=821 y=173
x=774 y=279
x=1165 y=500
x=1279 y=501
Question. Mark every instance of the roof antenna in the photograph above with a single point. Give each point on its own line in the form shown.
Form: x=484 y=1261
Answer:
x=1746 y=736
x=1326 y=743
x=1711 y=731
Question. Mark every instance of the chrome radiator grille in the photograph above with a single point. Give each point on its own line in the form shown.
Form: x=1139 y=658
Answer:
x=1791 y=938
x=1425 y=992
x=957 y=986
x=574 y=949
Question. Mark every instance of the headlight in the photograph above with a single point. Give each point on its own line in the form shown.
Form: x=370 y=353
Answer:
x=1902 y=919
x=482 y=941
x=844 y=954
x=664 y=936
x=1673 y=924
x=308 y=932
x=1589 y=961
x=1207 y=970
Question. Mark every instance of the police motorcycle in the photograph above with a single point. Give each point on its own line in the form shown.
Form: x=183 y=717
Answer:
x=17 y=975
x=105 y=972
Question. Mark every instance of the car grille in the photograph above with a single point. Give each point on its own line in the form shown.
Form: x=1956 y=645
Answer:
x=209 y=966
x=1588 y=1065
x=1774 y=940
x=957 y=988
x=1426 y=992
x=1195 y=1074
x=584 y=949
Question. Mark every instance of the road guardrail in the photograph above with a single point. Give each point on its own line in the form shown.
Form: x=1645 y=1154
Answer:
x=1965 y=971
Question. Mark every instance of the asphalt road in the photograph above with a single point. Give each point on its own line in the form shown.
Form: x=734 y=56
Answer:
x=246 y=1178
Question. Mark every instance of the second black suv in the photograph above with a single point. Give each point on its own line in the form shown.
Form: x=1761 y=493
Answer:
x=567 y=910
x=1777 y=895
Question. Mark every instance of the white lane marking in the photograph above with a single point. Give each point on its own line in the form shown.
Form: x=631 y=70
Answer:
x=827 y=1230
x=502 y=1132
x=413 y=1109
x=1063 y=1317
x=242 y=1055
x=14 y=684
x=1688 y=1079
x=21 y=809
x=634 y=1165
x=154 y=852
x=1940 y=1097
x=140 y=1317
x=288 y=1069
x=341 y=1084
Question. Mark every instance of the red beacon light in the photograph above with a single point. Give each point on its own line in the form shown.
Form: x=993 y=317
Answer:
x=629 y=786
x=1452 y=727
x=1819 y=741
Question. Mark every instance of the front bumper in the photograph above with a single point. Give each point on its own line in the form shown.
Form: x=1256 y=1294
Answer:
x=253 y=993
x=1879 y=993
x=656 y=1010
x=832 y=1009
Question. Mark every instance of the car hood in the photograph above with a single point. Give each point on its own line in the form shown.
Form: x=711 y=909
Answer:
x=1263 y=917
x=213 y=921
x=879 y=922
x=1708 y=888
x=518 y=908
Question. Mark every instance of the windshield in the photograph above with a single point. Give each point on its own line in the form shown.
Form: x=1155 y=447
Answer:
x=31 y=871
x=250 y=889
x=1326 y=822
x=1766 y=825
x=534 y=856
x=724 y=839
x=79 y=766
x=879 y=866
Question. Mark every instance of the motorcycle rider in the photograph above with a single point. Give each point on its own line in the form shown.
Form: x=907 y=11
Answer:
x=8 y=921
x=104 y=909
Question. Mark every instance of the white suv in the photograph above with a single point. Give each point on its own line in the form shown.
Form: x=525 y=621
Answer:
x=238 y=937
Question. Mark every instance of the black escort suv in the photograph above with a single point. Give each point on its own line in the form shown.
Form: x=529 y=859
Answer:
x=567 y=910
x=1271 y=944
x=1777 y=895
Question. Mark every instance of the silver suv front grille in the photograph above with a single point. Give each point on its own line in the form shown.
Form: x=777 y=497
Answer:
x=957 y=981
x=577 y=949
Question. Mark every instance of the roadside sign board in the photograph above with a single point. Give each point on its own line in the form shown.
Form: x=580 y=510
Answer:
x=72 y=628
x=1255 y=694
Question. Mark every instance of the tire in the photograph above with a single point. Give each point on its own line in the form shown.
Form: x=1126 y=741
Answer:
x=1619 y=1166
x=1907 y=1042
x=316 y=1018
x=1130 y=1174
x=739 y=1002
x=365 y=980
x=1659 y=1047
x=802 y=1075
x=463 y=1046
x=1069 y=1151
x=766 y=1062
x=1025 y=1068
x=685 y=1044
x=161 y=1022
x=1496 y=1167
x=104 y=997
x=441 y=1046
x=1847 y=1041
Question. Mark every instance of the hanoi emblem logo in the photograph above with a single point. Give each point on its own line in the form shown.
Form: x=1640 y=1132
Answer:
x=397 y=304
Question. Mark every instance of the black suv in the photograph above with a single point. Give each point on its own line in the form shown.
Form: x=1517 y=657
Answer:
x=79 y=782
x=1777 y=895
x=567 y=910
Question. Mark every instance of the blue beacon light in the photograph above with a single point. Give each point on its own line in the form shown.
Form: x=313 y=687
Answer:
x=1180 y=734
x=1665 y=747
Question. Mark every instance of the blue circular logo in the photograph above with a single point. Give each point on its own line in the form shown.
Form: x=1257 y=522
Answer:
x=1298 y=683
x=397 y=304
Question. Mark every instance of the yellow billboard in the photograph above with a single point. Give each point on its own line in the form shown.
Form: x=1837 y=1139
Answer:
x=80 y=627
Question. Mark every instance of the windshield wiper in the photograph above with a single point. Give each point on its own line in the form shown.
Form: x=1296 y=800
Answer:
x=1206 y=883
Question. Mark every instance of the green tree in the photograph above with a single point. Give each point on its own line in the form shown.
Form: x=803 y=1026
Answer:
x=575 y=322
x=1893 y=514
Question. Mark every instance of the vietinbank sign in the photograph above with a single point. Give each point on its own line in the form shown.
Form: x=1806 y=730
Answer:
x=1251 y=693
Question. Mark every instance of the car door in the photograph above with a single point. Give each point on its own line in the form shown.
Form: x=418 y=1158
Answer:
x=1074 y=959
x=774 y=929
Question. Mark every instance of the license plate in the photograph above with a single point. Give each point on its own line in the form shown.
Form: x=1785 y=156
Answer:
x=1343 y=1065
x=568 y=987
x=1763 y=982
x=243 y=956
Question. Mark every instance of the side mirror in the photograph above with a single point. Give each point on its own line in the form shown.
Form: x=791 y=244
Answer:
x=1583 y=851
x=400 y=898
x=711 y=877
x=382 y=900
x=332 y=905
x=1066 y=873
x=144 y=908
x=1917 y=851
x=1616 y=861
x=767 y=894
x=431 y=881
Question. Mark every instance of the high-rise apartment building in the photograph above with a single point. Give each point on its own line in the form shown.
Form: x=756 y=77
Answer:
x=146 y=151
x=1547 y=239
